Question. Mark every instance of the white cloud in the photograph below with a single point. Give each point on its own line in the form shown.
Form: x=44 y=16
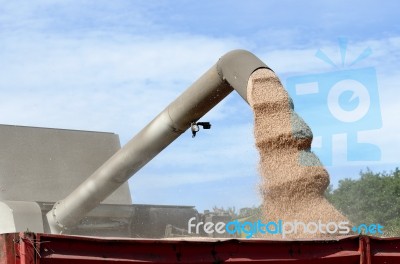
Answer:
x=61 y=78
x=299 y=61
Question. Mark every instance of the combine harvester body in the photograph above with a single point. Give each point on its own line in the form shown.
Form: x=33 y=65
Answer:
x=52 y=212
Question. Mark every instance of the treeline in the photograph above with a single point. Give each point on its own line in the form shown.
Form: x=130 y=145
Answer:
x=374 y=198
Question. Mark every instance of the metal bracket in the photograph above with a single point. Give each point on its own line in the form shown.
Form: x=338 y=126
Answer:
x=195 y=127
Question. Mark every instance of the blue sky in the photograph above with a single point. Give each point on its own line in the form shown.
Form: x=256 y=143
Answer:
x=114 y=65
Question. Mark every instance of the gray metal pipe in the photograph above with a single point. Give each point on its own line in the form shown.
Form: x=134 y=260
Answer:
x=232 y=71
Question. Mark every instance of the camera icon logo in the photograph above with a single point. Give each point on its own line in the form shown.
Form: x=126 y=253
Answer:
x=358 y=92
x=339 y=102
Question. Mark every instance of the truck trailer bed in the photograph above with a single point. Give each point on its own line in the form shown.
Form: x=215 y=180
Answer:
x=29 y=248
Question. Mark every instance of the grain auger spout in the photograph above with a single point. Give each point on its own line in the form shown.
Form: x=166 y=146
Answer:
x=231 y=72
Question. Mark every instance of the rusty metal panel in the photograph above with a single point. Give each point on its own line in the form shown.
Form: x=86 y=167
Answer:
x=17 y=248
x=27 y=248
x=7 y=250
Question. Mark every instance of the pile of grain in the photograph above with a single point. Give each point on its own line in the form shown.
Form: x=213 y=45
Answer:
x=293 y=179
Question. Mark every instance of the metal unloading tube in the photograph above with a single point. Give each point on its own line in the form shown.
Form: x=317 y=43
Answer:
x=232 y=71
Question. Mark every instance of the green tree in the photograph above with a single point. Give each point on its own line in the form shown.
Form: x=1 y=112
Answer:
x=372 y=199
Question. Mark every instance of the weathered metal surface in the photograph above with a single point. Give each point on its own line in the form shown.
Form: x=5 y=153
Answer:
x=46 y=164
x=18 y=248
x=51 y=249
x=7 y=249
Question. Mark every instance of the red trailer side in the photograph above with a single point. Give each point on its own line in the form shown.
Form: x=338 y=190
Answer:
x=24 y=248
